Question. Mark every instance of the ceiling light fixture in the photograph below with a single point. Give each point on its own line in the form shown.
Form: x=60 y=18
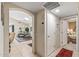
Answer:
x=57 y=10
x=26 y=18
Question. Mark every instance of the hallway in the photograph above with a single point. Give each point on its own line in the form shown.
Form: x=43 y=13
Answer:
x=48 y=36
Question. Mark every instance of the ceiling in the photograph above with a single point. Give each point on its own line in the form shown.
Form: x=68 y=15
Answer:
x=20 y=16
x=31 y=6
x=66 y=9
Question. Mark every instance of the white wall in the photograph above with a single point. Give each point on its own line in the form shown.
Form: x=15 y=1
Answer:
x=77 y=23
x=53 y=40
x=1 y=35
x=6 y=30
x=40 y=29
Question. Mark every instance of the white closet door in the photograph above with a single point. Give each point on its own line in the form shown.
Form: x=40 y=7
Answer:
x=51 y=25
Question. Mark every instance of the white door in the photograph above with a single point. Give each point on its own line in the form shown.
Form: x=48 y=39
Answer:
x=63 y=32
x=50 y=33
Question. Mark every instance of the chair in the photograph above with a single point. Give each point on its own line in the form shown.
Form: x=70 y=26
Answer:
x=11 y=38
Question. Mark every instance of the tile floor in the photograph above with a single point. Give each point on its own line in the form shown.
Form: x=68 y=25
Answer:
x=21 y=49
x=69 y=46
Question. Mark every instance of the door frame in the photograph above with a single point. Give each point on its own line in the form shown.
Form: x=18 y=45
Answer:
x=6 y=6
x=73 y=16
x=65 y=36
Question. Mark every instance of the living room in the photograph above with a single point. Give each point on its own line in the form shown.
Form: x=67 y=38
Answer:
x=20 y=32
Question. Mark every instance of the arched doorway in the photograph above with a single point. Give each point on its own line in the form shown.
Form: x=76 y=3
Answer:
x=21 y=23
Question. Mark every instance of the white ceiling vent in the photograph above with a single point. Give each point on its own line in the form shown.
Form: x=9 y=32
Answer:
x=51 y=5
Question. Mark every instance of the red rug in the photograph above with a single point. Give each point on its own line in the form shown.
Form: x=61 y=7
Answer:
x=64 y=53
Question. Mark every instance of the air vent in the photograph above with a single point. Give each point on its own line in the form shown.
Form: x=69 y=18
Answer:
x=51 y=5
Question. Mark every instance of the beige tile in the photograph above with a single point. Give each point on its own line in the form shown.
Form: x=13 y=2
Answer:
x=15 y=52
x=21 y=49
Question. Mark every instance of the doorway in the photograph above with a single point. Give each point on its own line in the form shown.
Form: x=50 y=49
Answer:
x=68 y=33
x=71 y=34
x=71 y=31
x=20 y=32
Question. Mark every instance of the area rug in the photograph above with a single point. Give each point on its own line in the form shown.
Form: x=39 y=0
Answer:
x=30 y=44
x=64 y=53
